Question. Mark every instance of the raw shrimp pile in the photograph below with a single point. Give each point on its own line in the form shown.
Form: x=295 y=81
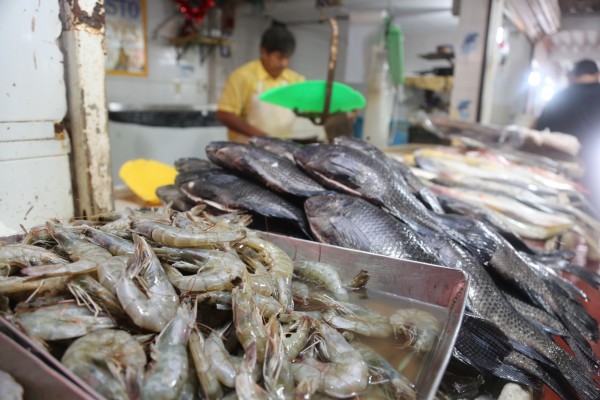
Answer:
x=165 y=305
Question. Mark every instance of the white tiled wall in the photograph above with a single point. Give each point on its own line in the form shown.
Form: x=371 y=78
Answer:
x=469 y=48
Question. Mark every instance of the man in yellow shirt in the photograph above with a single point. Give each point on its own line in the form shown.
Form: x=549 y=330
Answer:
x=240 y=110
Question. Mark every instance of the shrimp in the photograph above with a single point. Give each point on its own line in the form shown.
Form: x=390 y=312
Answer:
x=17 y=284
x=110 y=271
x=190 y=390
x=180 y=237
x=323 y=274
x=345 y=375
x=110 y=361
x=169 y=369
x=90 y=293
x=260 y=281
x=300 y=291
x=155 y=304
x=351 y=317
x=248 y=322
x=205 y=371
x=221 y=299
x=74 y=246
x=399 y=386
x=218 y=273
x=86 y=256
x=24 y=255
x=279 y=265
x=296 y=341
x=60 y=321
x=10 y=388
x=220 y=359
x=245 y=385
x=421 y=327
x=359 y=280
x=192 y=255
x=116 y=245
x=278 y=377
x=268 y=306
x=38 y=235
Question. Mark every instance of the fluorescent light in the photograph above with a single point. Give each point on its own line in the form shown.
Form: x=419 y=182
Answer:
x=547 y=92
x=534 y=79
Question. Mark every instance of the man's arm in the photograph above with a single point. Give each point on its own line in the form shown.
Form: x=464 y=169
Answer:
x=238 y=124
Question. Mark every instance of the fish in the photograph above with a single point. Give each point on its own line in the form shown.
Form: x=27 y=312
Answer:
x=486 y=301
x=485 y=347
x=229 y=192
x=353 y=172
x=170 y=194
x=400 y=170
x=277 y=173
x=282 y=147
x=192 y=163
x=349 y=221
x=495 y=252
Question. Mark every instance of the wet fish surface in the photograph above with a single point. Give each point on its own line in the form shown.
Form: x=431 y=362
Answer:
x=229 y=192
x=401 y=170
x=277 y=173
x=352 y=222
x=170 y=194
x=282 y=147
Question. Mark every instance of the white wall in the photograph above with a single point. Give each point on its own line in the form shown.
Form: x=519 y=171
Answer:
x=169 y=81
x=187 y=81
x=511 y=89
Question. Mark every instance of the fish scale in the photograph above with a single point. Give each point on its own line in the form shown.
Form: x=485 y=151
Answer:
x=353 y=172
x=277 y=173
x=486 y=301
x=352 y=222
x=229 y=192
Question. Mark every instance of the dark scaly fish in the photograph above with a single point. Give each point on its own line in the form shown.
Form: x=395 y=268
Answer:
x=352 y=222
x=193 y=174
x=486 y=301
x=282 y=147
x=228 y=192
x=192 y=163
x=170 y=194
x=484 y=346
x=353 y=172
x=401 y=170
x=277 y=173
x=537 y=316
x=494 y=251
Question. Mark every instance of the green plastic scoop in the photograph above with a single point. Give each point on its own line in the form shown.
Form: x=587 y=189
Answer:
x=308 y=97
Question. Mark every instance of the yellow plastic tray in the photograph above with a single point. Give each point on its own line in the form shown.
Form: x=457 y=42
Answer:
x=143 y=177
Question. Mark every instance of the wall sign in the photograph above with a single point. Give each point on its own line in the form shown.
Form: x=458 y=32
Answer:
x=126 y=52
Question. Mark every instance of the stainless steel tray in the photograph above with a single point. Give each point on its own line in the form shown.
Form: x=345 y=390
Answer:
x=41 y=375
x=426 y=284
x=433 y=285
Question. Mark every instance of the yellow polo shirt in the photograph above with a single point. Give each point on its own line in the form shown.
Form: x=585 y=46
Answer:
x=242 y=84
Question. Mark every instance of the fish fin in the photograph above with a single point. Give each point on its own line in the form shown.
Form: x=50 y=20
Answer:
x=588 y=276
x=482 y=345
x=584 y=353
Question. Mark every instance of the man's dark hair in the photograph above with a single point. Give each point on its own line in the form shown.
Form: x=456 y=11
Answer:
x=278 y=38
x=584 y=67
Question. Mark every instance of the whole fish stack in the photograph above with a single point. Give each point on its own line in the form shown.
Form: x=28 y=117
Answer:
x=160 y=304
x=352 y=195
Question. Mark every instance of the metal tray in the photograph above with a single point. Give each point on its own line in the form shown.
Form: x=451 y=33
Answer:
x=39 y=379
x=425 y=283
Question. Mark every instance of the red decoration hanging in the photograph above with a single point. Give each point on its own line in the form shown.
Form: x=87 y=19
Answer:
x=193 y=13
